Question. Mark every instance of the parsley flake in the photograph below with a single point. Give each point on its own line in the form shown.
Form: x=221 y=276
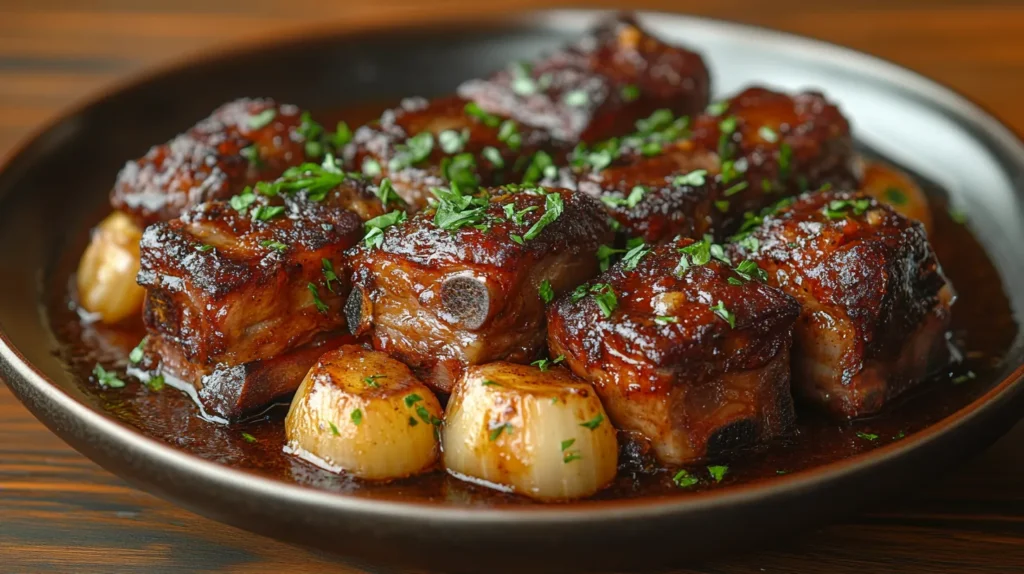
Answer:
x=275 y=245
x=717 y=472
x=139 y=352
x=497 y=430
x=895 y=196
x=451 y=141
x=475 y=111
x=593 y=423
x=357 y=417
x=576 y=98
x=684 y=479
x=327 y=268
x=724 y=314
x=665 y=320
x=106 y=379
x=375 y=228
x=630 y=92
x=248 y=438
x=267 y=212
x=334 y=429
x=768 y=134
x=320 y=305
x=262 y=119
x=155 y=383
x=694 y=178
x=867 y=435
x=547 y=294
x=371 y=381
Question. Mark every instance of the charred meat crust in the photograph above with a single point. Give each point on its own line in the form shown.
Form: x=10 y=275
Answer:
x=229 y=287
x=752 y=149
x=869 y=277
x=440 y=299
x=668 y=366
x=233 y=391
x=242 y=142
x=530 y=115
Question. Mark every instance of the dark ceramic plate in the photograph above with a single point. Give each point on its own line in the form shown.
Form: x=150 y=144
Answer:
x=54 y=190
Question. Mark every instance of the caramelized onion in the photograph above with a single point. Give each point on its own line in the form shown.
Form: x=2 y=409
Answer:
x=364 y=413
x=106 y=273
x=517 y=428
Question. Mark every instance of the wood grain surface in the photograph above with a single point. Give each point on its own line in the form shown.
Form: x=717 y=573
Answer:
x=59 y=512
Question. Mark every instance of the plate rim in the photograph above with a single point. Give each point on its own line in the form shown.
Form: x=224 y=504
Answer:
x=41 y=393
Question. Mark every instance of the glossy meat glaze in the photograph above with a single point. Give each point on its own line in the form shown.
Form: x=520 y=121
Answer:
x=520 y=123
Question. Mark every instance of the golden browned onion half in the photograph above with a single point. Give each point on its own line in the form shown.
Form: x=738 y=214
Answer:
x=364 y=413
x=106 y=273
x=897 y=190
x=543 y=434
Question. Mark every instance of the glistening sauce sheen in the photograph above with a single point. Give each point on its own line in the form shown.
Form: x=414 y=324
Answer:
x=983 y=329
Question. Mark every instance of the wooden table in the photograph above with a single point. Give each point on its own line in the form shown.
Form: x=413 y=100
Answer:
x=60 y=512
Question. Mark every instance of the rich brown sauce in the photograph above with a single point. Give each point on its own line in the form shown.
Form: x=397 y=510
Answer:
x=983 y=329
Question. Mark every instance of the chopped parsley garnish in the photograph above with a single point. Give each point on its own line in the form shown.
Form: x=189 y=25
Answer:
x=517 y=217
x=717 y=108
x=961 y=379
x=750 y=243
x=547 y=294
x=733 y=281
x=425 y=416
x=262 y=119
x=593 y=423
x=455 y=210
x=320 y=305
x=694 y=178
x=727 y=128
x=413 y=422
x=768 y=134
x=785 y=160
x=717 y=472
x=576 y=98
x=413 y=151
x=553 y=207
x=718 y=252
x=242 y=201
x=571 y=456
x=275 y=245
x=139 y=352
x=545 y=364
x=635 y=196
x=838 y=208
x=497 y=430
x=579 y=293
x=155 y=383
x=606 y=300
x=248 y=437
x=387 y=195
x=460 y=170
x=371 y=168
x=516 y=238
x=632 y=257
x=604 y=256
x=315 y=179
x=735 y=189
x=492 y=155
x=371 y=381
x=867 y=435
x=475 y=111
x=204 y=248
x=650 y=149
x=334 y=429
x=665 y=320
x=106 y=379
x=724 y=314
x=490 y=383
x=684 y=479
x=722 y=205
x=750 y=271
x=522 y=80
x=411 y=399
x=357 y=417
x=375 y=228
x=694 y=255
x=657 y=120
x=342 y=135
x=895 y=196
x=630 y=92
x=541 y=166
x=899 y=435
x=327 y=268
x=451 y=141
x=508 y=133
x=252 y=154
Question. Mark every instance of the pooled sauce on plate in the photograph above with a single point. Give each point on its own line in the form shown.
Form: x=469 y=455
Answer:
x=982 y=329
